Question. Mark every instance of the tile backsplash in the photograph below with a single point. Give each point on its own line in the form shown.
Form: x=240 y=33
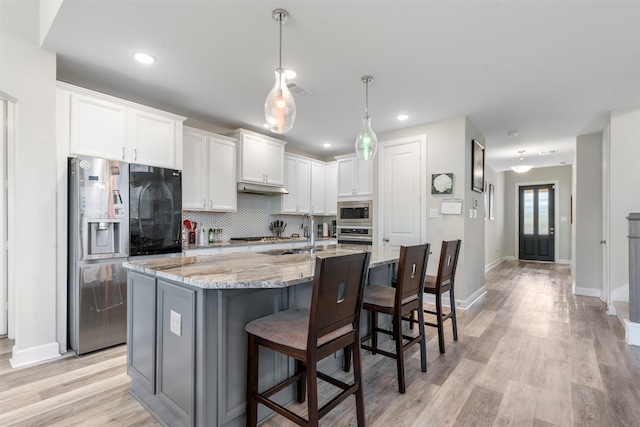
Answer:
x=251 y=220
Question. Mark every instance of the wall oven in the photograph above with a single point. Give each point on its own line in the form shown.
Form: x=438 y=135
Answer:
x=355 y=236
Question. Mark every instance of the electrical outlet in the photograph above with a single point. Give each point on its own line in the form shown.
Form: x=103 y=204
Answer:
x=176 y=323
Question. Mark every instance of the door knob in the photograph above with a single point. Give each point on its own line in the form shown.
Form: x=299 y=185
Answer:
x=604 y=242
x=386 y=239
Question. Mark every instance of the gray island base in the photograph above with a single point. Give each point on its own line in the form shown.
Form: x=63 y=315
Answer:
x=186 y=344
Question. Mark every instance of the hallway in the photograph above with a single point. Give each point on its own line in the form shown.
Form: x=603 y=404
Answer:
x=529 y=353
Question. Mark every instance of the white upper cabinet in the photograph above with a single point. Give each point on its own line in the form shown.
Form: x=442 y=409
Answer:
x=157 y=140
x=331 y=188
x=103 y=126
x=355 y=177
x=318 y=194
x=209 y=175
x=260 y=158
x=297 y=172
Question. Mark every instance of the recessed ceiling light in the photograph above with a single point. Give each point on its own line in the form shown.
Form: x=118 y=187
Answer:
x=144 y=58
x=290 y=74
x=326 y=145
x=544 y=153
x=512 y=134
x=403 y=116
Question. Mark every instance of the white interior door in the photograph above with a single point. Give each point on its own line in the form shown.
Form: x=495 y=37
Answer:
x=402 y=178
x=606 y=294
x=4 y=282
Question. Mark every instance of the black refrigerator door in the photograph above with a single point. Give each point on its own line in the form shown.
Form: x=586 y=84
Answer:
x=155 y=210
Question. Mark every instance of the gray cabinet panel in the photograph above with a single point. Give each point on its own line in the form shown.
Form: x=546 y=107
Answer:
x=176 y=349
x=239 y=308
x=141 y=329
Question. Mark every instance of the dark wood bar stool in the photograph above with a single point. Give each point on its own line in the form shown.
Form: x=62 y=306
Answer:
x=398 y=302
x=309 y=335
x=441 y=283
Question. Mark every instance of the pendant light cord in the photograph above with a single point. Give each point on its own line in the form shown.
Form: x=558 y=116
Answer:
x=280 y=52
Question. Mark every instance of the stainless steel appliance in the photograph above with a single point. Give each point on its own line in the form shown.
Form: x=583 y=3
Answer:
x=355 y=222
x=98 y=244
x=355 y=236
x=355 y=213
x=155 y=217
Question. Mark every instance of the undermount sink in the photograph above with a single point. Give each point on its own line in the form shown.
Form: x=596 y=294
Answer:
x=291 y=251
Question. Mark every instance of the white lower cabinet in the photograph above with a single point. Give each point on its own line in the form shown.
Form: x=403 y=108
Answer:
x=209 y=174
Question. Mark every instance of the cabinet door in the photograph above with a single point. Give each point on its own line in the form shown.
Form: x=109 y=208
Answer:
x=194 y=174
x=290 y=201
x=304 y=185
x=331 y=189
x=364 y=177
x=141 y=329
x=252 y=159
x=274 y=160
x=346 y=171
x=154 y=139
x=317 y=188
x=223 y=193
x=98 y=128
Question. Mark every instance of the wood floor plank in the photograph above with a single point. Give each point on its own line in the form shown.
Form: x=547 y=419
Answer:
x=518 y=405
x=621 y=395
x=480 y=409
x=584 y=366
x=529 y=363
x=589 y=406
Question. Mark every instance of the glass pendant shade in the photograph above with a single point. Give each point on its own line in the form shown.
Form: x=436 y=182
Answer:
x=366 y=141
x=280 y=107
x=521 y=168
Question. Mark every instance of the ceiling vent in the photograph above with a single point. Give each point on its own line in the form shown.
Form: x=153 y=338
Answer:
x=297 y=90
x=545 y=153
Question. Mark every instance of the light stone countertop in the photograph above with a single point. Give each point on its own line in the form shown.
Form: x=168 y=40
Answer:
x=247 y=270
x=240 y=243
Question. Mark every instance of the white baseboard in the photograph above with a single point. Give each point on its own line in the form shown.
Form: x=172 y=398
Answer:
x=586 y=292
x=461 y=304
x=563 y=261
x=493 y=264
x=509 y=258
x=29 y=356
x=631 y=329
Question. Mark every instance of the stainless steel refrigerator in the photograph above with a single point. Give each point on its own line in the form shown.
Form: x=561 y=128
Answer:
x=98 y=245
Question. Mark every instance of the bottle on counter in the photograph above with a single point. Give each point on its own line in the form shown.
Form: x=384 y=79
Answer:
x=204 y=237
x=211 y=236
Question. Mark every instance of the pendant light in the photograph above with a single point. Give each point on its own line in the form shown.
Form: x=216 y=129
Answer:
x=366 y=142
x=280 y=107
x=521 y=168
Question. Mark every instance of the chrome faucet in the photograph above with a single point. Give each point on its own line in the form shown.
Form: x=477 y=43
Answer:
x=312 y=231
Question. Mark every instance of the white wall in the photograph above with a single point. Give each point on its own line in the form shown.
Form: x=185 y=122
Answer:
x=562 y=174
x=29 y=75
x=587 y=223
x=494 y=229
x=624 y=196
x=449 y=151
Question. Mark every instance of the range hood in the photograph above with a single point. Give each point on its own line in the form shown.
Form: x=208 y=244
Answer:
x=244 y=187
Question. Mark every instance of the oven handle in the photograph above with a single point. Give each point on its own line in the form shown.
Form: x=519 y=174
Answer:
x=356 y=242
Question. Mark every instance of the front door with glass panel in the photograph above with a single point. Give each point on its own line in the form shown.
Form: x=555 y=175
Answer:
x=536 y=219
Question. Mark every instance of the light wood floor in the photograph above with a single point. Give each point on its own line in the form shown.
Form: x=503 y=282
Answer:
x=530 y=353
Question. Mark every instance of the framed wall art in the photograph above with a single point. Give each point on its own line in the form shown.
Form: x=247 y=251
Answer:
x=442 y=183
x=477 y=166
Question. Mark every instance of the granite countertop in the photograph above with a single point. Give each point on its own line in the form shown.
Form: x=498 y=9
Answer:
x=231 y=243
x=249 y=270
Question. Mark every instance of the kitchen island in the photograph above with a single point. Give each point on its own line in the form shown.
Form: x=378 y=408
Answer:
x=186 y=345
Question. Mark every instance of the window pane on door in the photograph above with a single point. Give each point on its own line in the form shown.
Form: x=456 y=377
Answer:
x=528 y=212
x=543 y=212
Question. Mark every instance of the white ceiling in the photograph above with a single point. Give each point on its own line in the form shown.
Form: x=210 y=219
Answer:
x=551 y=70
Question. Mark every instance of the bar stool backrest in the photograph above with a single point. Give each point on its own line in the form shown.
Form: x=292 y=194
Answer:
x=448 y=262
x=412 y=269
x=337 y=294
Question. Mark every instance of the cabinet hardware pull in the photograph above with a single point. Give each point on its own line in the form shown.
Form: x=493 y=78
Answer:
x=135 y=154
x=123 y=153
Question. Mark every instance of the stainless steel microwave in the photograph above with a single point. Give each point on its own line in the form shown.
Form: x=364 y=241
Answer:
x=355 y=213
